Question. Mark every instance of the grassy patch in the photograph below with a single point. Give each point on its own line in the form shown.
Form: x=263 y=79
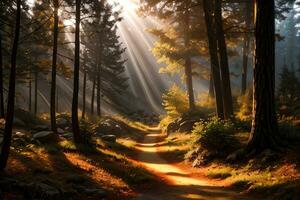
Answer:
x=219 y=174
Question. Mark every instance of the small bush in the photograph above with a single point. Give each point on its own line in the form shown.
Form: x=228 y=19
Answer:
x=216 y=136
x=175 y=102
x=219 y=174
x=245 y=103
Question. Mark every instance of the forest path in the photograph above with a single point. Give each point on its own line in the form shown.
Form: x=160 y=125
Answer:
x=181 y=185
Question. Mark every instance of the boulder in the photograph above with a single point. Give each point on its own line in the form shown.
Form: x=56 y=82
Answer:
x=18 y=122
x=109 y=126
x=60 y=131
x=109 y=138
x=172 y=127
x=235 y=156
x=187 y=126
x=62 y=122
x=40 y=127
x=19 y=134
x=68 y=135
x=43 y=135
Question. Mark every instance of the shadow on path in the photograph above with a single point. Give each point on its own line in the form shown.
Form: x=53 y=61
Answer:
x=180 y=185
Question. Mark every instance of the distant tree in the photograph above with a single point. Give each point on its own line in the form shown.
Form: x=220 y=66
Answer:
x=264 y=133
x=85 y=59
x=75 y=121
x=1 y=81
x=224 y=64
x=104 y=66
x=246 y=44
x=178 y=42
x=214 y=60
x=11 y=93
x=54 y=66
x=289 y=84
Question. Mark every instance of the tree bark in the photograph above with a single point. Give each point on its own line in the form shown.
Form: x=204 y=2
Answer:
x=54 y=66
x=84 y=93
x=189 y=83
x=11 y=93
x=93 y=95
x=264 y=133
x=246 y=48
x=211 y=91
x=99 y=91
x=224 y=66
x=75 y=121
x=29 y=93
x=2 y=115
x=35 y=91
x=188 y=63
x=215 y=68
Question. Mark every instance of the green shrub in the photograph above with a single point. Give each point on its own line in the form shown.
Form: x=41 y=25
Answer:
x=175 y=102
x=216 y=136
x=245 y=104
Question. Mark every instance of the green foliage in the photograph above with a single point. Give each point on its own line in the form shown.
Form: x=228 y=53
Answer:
x=289 y=84
x=216 y=135
x=219 y=174
x=175 y=102
x=245 y=104
x=103 y=60
x=289 y=93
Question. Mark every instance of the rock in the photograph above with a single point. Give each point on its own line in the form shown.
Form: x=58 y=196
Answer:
x=60 y=131
x=172 y=127
x=109 y=126
x=40 y=127
x=95 y=192
x=62 y=122
x=203 y=159
x=187 y=126
x=235 y=156
x=19 y=122
x=43 y=135
x=67 y=135
x=109 y=138
x=19 y=134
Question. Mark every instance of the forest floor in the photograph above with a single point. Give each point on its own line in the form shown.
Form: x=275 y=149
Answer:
x=143 y=164
x=179 y=181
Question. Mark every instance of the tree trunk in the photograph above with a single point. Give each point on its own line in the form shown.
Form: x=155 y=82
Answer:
x=189 y=83
x=246 y=47
x=93 y=95
x=29 y=93
x=264 y=133
x=54 y=66
x=84 y=93
x=211 y=91
x=57 y=95
x=99 y=91
x=2 y=115
x=36 y=74
x=11 y=94
x=224 y=66
x=75 y=121
x=215 y=68
x=188 y=63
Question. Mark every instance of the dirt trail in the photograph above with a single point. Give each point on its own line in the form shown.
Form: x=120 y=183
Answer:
x=181 y=185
